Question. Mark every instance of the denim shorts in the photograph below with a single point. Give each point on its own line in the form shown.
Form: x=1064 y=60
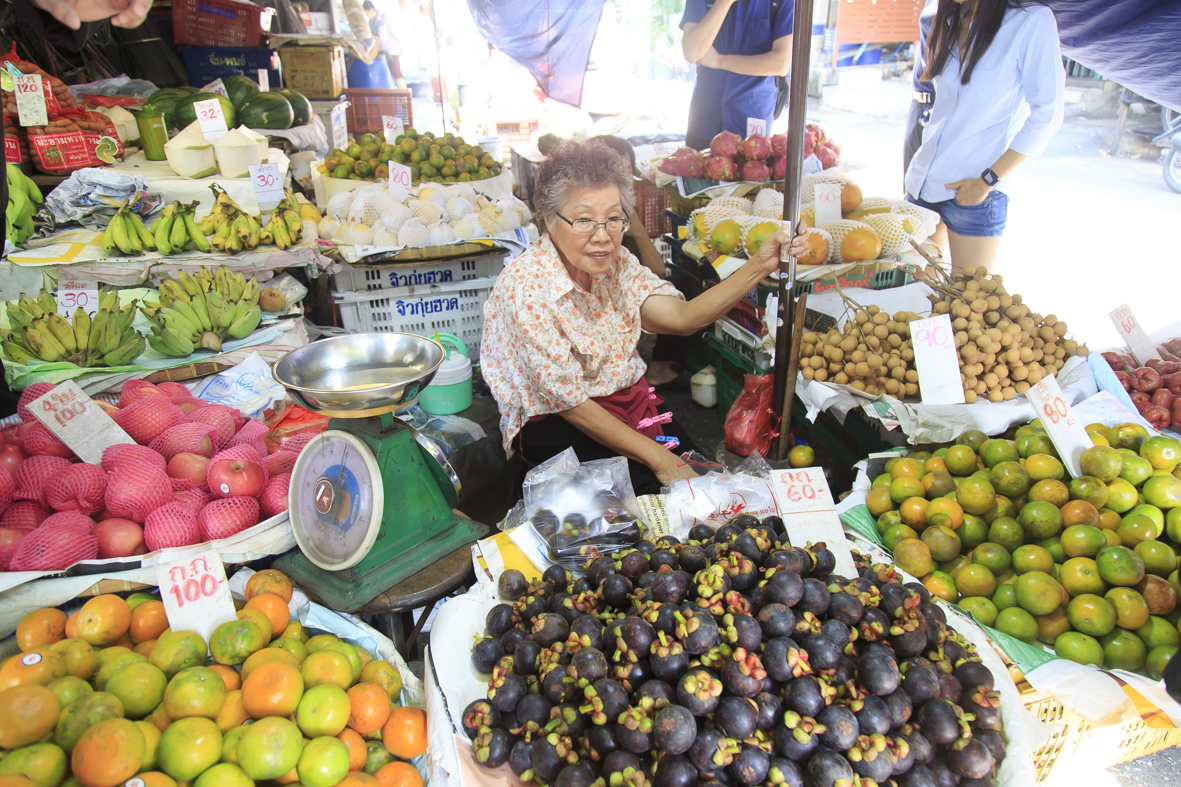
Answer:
x=986 y=220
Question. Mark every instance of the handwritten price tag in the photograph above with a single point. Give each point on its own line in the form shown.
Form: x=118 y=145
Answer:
x=211 y=119
x=77 y=421
x=264 y=80
x=810 y=515
x=827 y=203
x=340 y=130
x=1066 y=431
x=30 y=100
x=72 y=295
x=756 y=126
x=1133 y=332
x=399 y=180
x=195 y=593
x=268 y=186
x=393 y=127
x=218 y=87
x=664 y=149
x=937 y=361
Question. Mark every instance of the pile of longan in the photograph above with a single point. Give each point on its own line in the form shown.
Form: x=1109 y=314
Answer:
x=872 y=354
x=1004 y=347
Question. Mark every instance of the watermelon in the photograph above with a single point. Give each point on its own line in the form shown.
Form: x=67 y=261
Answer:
x=166 y=100
x=186 y=113
x=240 y=88
x=299 y=105
x=267 y=110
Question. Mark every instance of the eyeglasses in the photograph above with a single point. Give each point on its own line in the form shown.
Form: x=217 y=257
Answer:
x=614 y=226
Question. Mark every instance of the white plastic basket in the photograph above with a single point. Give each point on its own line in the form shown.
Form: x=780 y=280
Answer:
x=742 y=342
x=455 y=307
x=662 y=246
x=401 y=275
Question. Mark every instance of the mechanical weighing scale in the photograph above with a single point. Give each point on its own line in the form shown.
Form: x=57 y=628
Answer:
x=370 y=499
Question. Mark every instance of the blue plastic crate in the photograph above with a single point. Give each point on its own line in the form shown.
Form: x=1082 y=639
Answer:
x=207 y=63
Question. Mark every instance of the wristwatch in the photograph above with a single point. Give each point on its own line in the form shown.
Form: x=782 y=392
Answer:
x=990 y=177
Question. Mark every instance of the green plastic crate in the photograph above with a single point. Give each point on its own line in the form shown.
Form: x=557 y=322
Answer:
x=697 y=355
x=882 y=280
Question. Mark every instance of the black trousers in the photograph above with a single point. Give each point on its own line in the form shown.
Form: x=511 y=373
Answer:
x=916 y=121
x=539 y=440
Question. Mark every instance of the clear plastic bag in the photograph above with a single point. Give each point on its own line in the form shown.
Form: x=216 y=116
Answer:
x=716 y=498
x=582 y=511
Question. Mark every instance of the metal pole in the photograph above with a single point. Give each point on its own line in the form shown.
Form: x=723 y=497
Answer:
x=439 y=61
x=797 y=110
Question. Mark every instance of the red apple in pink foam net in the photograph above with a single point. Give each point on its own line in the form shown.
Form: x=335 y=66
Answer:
x=192 y=466
x=119 y=538
x=11 y=456
x=11 y=536
x=236 y=478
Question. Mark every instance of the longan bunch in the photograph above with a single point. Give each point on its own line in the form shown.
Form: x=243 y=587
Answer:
x=872 y=353
x=1004 y=347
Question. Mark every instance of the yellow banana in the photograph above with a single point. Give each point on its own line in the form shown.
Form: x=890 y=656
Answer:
x=81 y=328
x=96 y=329
x=171 y=288
x=109 y=300
x=122 y=238
x=255 y=233
x=31 y=307
x=208 y=224
x=206 y=279
x=41 y=341
x=47 y=302
x=179 y=235
x=191 y=286
x=62 y=331
x=294 y=224
x=108 y=238
x=17 y=354
x=282 y=236
x=112 y=332
x=245 y=325
x=197 y=237
x=250 y=294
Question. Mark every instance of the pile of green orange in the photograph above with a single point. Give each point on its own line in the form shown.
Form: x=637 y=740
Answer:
x=110 y=694
x=1087 y=565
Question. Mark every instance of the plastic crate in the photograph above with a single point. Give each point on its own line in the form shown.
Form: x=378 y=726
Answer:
x=866 y=280
x=743 y=342
x=748 y=317
x=697 y=355
x=368 y=105
x=454 y=307
x=314 y=71
x=207 y=63
x=399 y=277
x=231 y=24
x=516 y=130
x=675 y=220
x=650 y=207
x=729 y=369
x=662 y=246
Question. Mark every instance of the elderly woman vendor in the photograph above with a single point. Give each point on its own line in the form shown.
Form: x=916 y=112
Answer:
x=562 y=324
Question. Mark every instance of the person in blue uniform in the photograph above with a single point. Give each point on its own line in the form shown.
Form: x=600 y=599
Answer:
x=924 y=90
x=739 y=47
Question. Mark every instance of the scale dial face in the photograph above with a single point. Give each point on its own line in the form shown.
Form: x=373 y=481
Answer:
x=336 y=500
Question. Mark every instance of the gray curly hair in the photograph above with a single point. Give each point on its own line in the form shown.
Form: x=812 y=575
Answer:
x=580 y=165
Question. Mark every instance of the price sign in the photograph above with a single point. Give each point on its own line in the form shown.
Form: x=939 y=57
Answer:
x=218 y=87
x=340 y=131
x=1133 y=332
x=195 y=593
x=1065 y=429
x=211 y=119
x=268 y=186
x=756 y=126
x=393 y=127
x=937 y=361
x=72 y=295
x=810 y=515
x=264 y=80
x=664 y=149
x=399 y=180
x=77 y=421
x=827 y=203
x=30 y=100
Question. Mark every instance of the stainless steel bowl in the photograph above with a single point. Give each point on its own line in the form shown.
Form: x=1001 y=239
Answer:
x=359 y=374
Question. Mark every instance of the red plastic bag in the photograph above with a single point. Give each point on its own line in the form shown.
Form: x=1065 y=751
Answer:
x=750 y=424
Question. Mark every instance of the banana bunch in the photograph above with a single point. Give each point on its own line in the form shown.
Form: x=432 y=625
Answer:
x=233 y=229
x=176 y=230
x=127 y=234
x=39 y=333
x=23 y=199
x=198 y=312
x=285 y=226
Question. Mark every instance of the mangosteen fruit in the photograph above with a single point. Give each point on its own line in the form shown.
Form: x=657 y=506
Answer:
x=485 y=654
x=827 y=768
x=492 y=747
x=674 y=729
x=479 y=713
x=673 y=770
x=840 y=727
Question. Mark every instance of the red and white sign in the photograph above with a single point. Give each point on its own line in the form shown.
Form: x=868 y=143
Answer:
x=1133 y=332
x=61 y=151
x=264 y=80
x=810 y=515
x=195 y=593
x=218 y=87
x=827 y=203
x=74 y=294
x=756 y=126
x=937 y=361
x=393 y=127
x=77 y=421
x=399 y=180
x=12 y=150
x=1065 y=430
x=30 y=100
x=267 y=181
x=211 y=119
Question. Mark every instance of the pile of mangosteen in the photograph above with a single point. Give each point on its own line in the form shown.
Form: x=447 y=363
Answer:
x=731 y=660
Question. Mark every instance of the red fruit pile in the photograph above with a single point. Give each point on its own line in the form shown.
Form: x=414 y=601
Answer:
x=1155 y=388
x=757 y=158
x=196 y=472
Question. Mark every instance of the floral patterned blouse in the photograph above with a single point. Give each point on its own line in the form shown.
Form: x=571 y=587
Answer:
x=549 y=345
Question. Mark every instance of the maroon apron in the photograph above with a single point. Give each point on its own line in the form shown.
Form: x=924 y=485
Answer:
x=634 y=406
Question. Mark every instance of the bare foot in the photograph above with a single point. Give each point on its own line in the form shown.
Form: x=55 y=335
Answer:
x=661 y=372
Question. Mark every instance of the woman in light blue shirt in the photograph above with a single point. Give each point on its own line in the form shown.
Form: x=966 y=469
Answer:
x=999 y=86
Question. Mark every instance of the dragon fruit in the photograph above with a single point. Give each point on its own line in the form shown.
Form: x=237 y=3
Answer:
x=756 y=171
x=684 y=161
x=725 y=144
x=779 y=145
x=828 y=155
x=720 y=168
x=780 y=167
x=756 y=148
x=693 y=166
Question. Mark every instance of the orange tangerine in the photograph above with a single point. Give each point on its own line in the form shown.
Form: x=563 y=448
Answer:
x=148 y=621
x=274 y=607
x=109 y=753
x=356 y=746
x=41 y=627
x=44 y=763
x=269 y=655
x=370 y=707
x=151 y=743
x=144 y=648
x=398 y=774
x=946 y=512
x=71 y=629
x=41 y=668
x=272 y=690
x=155 y=779
x=196 y=691
x=27 y=714
x=79 y=657
x=188 y=747
x=262 y=620
x=269 y=581
x=358 y=779
x=404 y=733
x=913 y=511
x=103 y=620
x=326 y=666
x=229 y=676
x=232 y=714
x=384 y=674
x=234 y=641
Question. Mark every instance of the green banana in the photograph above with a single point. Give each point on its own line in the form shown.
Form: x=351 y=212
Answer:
x=81 y=328
x=179 y=320
x=43 y=343
x=250 y=295
x=162 y=228
x=31 y=307
x=96 y=330
x=205 y=278
x=178 y=235
x=47 y=301
x=17 y=354
x=109 y=340
x=201 y=309
x=245 y=325
x=62 y=331
x=125 y=353
x=145 y=237
x=109 y=301
x=195 y=235
x=119 y=233
x=187 y=311
x=16 y=316
x=173 y=291
x=190 y=285
x=178 y=342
